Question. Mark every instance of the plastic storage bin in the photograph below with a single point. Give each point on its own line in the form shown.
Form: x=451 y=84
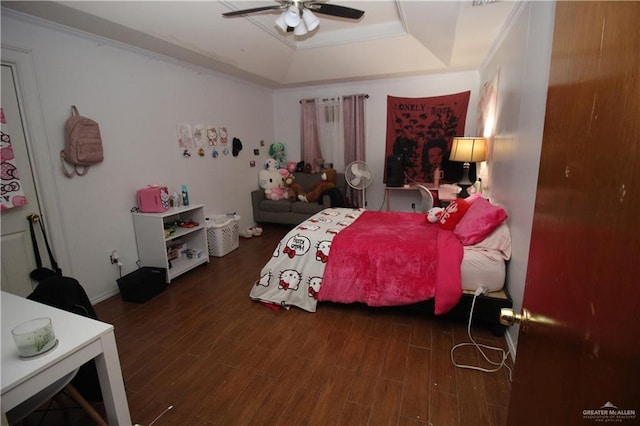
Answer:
x=143 y=284
x=222 y=234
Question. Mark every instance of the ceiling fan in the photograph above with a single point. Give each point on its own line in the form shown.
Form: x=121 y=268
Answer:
x=298 y=16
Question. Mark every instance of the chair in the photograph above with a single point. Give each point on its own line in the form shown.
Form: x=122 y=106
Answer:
x=427 y=198
x=67 y=294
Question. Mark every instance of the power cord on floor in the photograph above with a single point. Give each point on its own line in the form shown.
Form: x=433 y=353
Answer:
x=157 y=418
x=480 y=347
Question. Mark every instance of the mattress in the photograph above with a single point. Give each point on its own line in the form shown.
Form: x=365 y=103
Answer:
x=482 y=268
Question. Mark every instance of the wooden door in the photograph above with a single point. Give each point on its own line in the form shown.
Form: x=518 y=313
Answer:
x=17 y=252
x=579 y=357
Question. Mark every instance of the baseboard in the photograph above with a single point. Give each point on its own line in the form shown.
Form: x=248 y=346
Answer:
x=511 y=343
x=105 y=296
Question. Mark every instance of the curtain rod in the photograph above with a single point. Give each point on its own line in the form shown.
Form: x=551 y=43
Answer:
x=366 y=96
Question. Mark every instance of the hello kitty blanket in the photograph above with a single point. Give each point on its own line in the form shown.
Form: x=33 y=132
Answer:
x=293 y=275
x=378 y=258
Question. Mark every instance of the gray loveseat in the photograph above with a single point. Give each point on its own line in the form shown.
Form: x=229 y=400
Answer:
x=292 y=212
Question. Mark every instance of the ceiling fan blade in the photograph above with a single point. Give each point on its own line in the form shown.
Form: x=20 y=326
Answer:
x=335 y=10
x=255 y=9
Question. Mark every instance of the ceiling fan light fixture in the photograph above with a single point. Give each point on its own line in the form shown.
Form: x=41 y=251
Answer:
x=292 y=16
x=280 y=22
x=310 y=20
x=297 y=15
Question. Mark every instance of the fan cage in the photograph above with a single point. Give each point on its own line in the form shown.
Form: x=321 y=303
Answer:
x=359 y=189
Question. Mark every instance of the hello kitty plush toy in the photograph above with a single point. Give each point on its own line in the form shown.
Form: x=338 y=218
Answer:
x=271 y=180
x=434 y=214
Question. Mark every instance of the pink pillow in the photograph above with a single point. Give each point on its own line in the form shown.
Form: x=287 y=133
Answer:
x=479 y=221
x=453 y=214
x=471 y=198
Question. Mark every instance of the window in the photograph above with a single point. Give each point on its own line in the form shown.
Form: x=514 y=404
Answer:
x=333 y=129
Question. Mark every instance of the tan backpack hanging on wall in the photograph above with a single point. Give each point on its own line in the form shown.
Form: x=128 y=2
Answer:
x=82 y=144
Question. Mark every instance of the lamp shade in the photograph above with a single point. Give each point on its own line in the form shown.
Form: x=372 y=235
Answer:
x=468 y=150
x=310 y=20
x=301 y=29
x=280 y=22
x=292 y=16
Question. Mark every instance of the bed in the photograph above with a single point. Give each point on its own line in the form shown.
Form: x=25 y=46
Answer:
x=381 y=258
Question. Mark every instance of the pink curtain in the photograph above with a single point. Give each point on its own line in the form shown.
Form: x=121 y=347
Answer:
x=354 y=141
x=310 y=139
x=353 y=107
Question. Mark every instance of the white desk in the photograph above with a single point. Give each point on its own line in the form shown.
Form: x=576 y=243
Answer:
x=80 y=339
x=444 y=192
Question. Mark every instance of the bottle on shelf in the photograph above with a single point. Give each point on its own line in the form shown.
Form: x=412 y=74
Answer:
x=185 y=196
x=175 y=200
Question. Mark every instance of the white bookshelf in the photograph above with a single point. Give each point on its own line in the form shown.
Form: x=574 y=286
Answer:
x=153 y=244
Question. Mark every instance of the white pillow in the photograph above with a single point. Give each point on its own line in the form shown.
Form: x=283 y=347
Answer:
x=499 y=239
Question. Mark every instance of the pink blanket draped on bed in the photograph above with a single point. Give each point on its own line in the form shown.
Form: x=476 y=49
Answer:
x=390 y=258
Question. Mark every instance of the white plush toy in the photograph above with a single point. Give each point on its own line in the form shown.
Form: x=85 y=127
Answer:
x=434 y=214
x=271 y=164
x=271 y=180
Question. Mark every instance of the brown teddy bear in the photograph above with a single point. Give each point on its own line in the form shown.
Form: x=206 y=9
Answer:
x=328 y=182
x=292 y=189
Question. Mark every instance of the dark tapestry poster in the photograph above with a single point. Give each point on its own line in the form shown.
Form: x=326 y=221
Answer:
x=421 y=130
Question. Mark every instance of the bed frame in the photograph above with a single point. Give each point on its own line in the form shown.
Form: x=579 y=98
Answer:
x=486 y=311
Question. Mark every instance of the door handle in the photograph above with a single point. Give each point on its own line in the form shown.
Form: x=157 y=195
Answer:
x=33 y=217
x=508 y=317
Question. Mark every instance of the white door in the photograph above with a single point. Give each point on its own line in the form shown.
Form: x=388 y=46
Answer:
x=17 y=252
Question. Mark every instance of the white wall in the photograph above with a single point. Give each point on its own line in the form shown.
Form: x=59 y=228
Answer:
x=288 y=111
x=137 y=99
x=522 y=59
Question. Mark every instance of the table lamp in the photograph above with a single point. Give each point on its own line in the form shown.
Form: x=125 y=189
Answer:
x=467 y=150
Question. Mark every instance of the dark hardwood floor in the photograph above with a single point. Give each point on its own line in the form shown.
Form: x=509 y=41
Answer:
x=218 y=358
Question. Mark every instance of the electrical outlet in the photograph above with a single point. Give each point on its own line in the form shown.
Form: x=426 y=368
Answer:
x=114 y=257
x=413 y=206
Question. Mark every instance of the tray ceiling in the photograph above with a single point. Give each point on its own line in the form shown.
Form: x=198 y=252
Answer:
x=394 y=37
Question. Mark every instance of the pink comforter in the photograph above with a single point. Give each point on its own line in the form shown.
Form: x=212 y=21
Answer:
x=390 y=258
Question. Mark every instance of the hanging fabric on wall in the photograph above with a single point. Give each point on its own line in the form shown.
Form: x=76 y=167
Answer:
x=421 y=130
x=12 y=194
x=487 y=116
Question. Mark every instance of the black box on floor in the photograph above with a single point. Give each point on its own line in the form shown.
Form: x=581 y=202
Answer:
x=143 y=284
